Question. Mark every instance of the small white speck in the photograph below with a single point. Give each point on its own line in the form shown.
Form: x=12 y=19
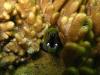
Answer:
x=56 y=44
x=48 y=44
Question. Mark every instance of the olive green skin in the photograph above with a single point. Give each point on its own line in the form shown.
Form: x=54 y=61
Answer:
x=51 y=37
x=87 y=71
x=71 y=71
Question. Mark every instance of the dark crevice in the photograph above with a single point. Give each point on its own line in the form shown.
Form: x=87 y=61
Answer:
x=62 y=5
x=51 y=42
x=5 y=42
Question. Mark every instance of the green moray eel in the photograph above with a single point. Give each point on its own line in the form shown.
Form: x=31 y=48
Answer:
x=51 y=42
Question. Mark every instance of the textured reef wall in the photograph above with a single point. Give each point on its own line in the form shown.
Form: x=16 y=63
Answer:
x=49 y=37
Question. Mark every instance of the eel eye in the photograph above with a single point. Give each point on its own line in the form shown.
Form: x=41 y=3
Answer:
x=52 y=41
